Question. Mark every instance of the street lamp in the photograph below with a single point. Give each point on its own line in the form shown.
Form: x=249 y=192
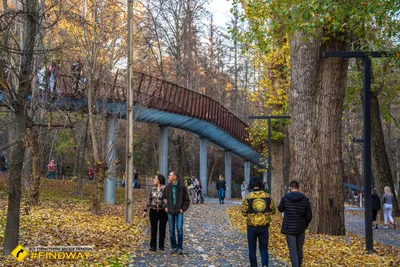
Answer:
x=269 y=118
x=366 y=56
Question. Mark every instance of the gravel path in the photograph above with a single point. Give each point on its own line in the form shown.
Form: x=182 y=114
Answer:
x=209 y=240
x=355 y=224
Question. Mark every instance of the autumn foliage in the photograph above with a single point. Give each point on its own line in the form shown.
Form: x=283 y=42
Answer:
x=64 y=220
x=324 y=250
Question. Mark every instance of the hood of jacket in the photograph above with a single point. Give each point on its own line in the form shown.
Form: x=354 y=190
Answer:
x=295 y=196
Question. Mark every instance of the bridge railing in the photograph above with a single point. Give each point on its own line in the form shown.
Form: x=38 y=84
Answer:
x=159 y=94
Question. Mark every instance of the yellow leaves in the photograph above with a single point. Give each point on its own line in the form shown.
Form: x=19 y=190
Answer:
x=324 y=250
x=61 y=220
x=228 y=87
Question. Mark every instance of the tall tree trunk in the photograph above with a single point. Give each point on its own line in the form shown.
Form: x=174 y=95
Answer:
x=81 y=163
x=380 y=161
x=316 y=104
x=14 y=189
x=96 y=205
x=31 y=141
x=17 y=154
x=286 y=158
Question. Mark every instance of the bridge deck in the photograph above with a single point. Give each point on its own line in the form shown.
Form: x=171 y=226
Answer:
x=165 y=103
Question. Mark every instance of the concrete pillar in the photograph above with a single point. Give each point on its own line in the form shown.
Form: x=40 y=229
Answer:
x=163 y=153
x=203 y=165
x=228 y=174
x=247 y=172
x=111 y=157
x=265 y=178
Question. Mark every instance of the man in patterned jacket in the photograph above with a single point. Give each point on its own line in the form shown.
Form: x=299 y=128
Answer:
x=258 y=207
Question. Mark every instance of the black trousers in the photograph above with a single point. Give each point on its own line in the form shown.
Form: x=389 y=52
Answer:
x=158 y=221
x=295 y=244
x=374 y=213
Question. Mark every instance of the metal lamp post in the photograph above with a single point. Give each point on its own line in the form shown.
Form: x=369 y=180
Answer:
x=366 y=56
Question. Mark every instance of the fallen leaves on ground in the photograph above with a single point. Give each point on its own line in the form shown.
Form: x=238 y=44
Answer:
x=62 y=219
x=324 y=250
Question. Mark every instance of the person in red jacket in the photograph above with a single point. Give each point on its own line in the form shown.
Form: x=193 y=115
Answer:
x=91 y=173
x=51 y=167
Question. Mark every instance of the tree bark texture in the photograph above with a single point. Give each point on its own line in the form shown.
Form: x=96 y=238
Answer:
x=277 y=171
x=81 y=162
x=286 y=158
x=30 y=16
x=380 y=161
x=316 y=104
x=31 y=141
x=97 y=193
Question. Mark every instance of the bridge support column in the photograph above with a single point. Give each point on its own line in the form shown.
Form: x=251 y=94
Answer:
x=265 y=178
x=111 y=156
x=247 y=172
x=163 y=153
x=228 y=173
x=203 y=165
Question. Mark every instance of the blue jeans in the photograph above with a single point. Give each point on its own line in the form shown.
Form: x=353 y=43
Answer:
x=52 y=175
x=221 y=195
x=254 y=233
x=176 y=219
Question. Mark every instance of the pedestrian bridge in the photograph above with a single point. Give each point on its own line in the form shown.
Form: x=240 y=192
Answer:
x=167 y=105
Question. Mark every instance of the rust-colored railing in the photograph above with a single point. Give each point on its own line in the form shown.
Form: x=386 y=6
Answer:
x=159 y=94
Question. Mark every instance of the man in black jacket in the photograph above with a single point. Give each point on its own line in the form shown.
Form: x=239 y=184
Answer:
x=175 y=201
x=297 y=217
x=376 y=205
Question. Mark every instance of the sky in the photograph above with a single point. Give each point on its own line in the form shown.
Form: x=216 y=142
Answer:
x=220 y=9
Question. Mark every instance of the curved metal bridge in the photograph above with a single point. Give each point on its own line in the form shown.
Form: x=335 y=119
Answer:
x=167 y=104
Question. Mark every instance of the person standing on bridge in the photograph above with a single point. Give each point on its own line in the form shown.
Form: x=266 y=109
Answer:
x=54 y=75
x=77 y=73
x=158 y=217
x=175 y=202
x=221 y=188
x=297 y=217
x=258 y=207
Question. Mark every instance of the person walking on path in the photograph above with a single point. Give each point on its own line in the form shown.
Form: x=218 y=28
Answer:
x=158 y=217
x=243 y=188
x=265 y=186
x=258 y=207
x=136 y=178
x=387 y=200
x=175 y=202
x=297 y=217
x=221 y=188
x=91 y=173
x=51 y=167
x=376 y=205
